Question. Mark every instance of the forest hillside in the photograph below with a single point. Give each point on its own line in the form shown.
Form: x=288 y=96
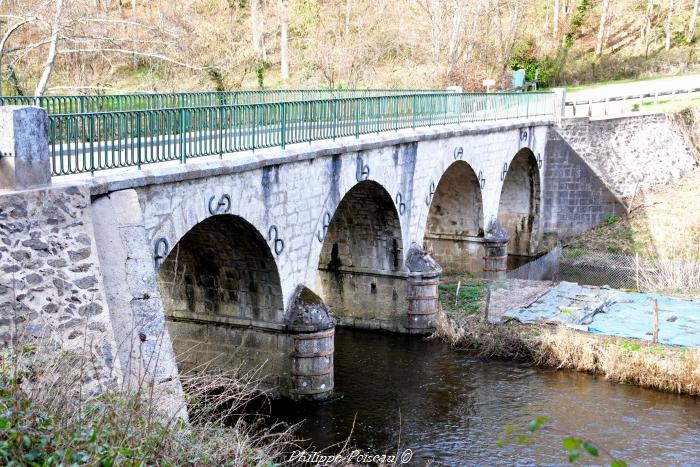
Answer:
x=110 y=46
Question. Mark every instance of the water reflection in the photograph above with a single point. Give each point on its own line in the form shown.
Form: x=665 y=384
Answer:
x=450 y=408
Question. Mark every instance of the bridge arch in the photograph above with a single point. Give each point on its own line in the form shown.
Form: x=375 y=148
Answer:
x=361 y=273
x=220 y=273
x=454 y=229
x=519 y=203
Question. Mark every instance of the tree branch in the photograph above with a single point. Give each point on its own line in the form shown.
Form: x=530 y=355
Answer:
x=132 y=52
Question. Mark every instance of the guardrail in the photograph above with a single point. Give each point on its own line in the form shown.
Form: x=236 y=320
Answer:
x=152 y=101
x=622 y=104
x=89 y=142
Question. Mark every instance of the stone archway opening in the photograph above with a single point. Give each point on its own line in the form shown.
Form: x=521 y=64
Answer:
x=454 y=230
x=361 y=274
x=218 y=281
x=519 y=206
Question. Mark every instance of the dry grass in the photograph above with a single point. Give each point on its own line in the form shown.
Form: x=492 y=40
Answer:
x=621 y=360
x=679 y=276
x=41 y=399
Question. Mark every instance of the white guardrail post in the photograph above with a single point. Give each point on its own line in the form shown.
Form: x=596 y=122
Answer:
x=559 y=104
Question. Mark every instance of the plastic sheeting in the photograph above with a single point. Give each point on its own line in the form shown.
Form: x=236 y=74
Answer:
x=615 y=313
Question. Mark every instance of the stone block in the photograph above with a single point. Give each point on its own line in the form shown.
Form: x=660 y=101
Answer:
x=24 y=148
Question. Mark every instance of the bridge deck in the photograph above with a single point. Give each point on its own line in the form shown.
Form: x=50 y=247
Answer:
x=234 y=162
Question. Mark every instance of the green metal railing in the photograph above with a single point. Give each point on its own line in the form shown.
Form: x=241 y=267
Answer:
x=87 y=142
x=123 y=102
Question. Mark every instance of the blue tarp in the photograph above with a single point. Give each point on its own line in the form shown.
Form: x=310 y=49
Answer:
x=615 y=313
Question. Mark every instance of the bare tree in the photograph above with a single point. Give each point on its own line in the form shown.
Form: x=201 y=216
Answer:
x=53 y=47
x=84 y=33
x=601 y=29
x=555 y=19
x=10 y=30
x=669 y=24
x=257 y=28
x=447 y=31
x=284 y=40
x=647 y=26
x=348 y=7
x=693 y=21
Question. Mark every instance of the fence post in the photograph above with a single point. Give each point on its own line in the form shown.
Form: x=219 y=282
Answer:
x=559 y=104
x=283 y=112
x=92 y=144
x=655 y=330
x=413 y=111
x=138 y=139
x=182 y=136
x=24 y=147
x=255 y=123
x=334 y=124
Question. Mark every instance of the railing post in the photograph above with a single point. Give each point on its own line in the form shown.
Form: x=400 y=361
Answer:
x=357 y=117
x=138 y=139
x=183 y=156
x=413 y=111
x=527 y=107
x=560 y=104
x=255 y=124
x=283 y=118
x=24 y=147
x=334 y=122
x=92 y=144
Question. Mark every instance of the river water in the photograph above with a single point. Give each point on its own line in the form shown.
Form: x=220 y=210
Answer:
x=403 y=392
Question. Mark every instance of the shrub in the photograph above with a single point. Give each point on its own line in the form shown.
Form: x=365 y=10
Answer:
x=45 y=419
x=527 y=56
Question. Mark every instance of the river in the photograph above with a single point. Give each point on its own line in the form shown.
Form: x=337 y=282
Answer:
x=403 y=392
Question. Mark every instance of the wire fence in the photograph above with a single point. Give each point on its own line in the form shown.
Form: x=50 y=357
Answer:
x=545 y=267
x=602 y=268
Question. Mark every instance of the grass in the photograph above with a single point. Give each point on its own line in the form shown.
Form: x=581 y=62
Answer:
x=665 y=368
x=672 y=105
x=471 y=294
x=597 y=84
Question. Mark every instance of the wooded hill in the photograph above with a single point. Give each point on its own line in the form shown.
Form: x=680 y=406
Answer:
x=88 y=46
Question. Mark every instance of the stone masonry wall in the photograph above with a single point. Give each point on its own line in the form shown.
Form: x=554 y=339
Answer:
x=646 y=149
x=50 y=281
x=574 y=199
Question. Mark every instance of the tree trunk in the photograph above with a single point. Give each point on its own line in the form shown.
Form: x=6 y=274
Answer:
x=51 y=57
x=601 y=29
x=669 y=20
x=348 y=6
x=693 y=21
x=257 y=28
x=647 y=26
x=555 y=20
x=284 y=40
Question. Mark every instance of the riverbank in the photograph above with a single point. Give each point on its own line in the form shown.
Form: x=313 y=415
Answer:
x=622 y=360
x=48 y=417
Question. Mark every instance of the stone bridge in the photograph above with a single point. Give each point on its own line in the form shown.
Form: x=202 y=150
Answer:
x=237 y=261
